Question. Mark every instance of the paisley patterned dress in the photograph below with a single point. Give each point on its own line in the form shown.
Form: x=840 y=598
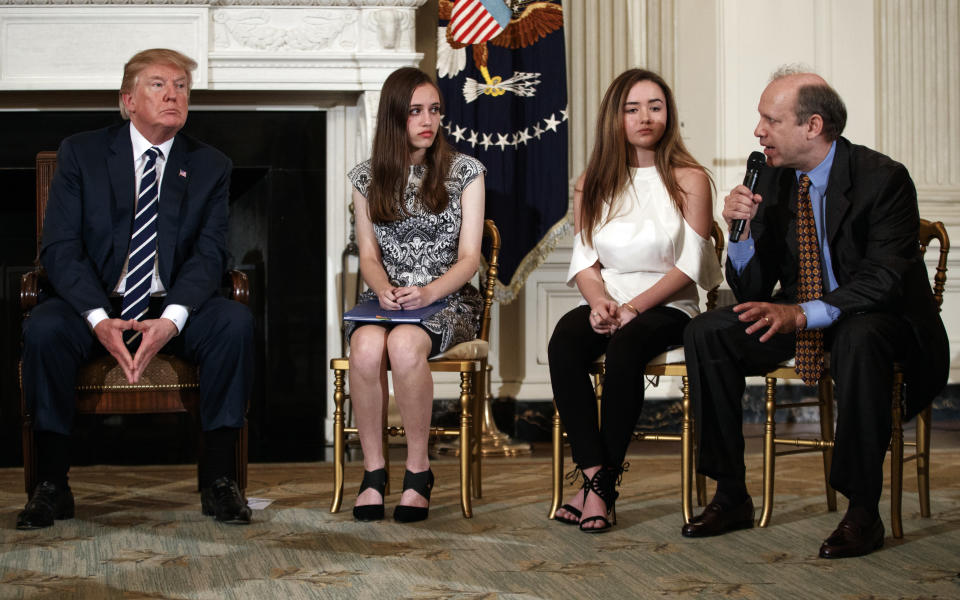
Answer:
x=421 y=247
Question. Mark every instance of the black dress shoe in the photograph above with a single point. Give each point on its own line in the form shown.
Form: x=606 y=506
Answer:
x=50 y=501
x=852 y=539
x=716 y=519
x=224 y=501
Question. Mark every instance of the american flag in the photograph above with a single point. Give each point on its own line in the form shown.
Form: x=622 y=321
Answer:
x=476 y=21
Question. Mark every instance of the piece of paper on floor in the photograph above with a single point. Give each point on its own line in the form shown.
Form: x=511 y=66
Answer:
x=259 y=503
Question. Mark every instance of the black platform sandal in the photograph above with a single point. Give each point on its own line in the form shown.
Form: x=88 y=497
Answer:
x=421 y=483
x=573 y=476
x=603 y=484
x=378 y=481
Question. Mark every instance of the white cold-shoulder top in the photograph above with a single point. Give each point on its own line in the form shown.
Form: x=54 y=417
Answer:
x=644 y=239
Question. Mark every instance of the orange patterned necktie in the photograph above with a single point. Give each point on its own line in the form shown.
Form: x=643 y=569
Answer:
x=809 y=361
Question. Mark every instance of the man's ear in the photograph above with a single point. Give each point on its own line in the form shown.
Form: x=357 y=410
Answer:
x=128 y=102
x=814 y=126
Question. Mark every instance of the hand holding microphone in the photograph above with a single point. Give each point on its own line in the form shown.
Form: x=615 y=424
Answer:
x=734 y=203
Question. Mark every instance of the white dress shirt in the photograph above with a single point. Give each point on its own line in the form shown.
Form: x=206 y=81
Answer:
x=174 y=312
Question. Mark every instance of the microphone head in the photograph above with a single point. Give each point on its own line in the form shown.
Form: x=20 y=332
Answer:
x=756 y=161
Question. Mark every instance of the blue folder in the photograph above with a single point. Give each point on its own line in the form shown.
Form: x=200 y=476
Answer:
x=370 y=311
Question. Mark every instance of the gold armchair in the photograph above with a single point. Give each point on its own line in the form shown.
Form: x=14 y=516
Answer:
x=469 y=359
x=670 y=363
x=928 y=231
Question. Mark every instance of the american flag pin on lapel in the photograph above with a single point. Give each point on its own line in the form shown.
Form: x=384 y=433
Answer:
x=183 y=173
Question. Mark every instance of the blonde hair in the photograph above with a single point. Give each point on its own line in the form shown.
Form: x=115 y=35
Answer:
x=146 y=58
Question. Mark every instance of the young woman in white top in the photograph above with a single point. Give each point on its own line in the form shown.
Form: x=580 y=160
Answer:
x=643 y=210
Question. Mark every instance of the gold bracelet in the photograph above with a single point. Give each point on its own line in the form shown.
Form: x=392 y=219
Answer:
x=631 y=307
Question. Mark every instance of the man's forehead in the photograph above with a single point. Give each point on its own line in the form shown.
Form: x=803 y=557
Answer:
x=163 y=71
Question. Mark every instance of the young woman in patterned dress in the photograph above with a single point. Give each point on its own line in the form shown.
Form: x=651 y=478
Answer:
x=419 y=219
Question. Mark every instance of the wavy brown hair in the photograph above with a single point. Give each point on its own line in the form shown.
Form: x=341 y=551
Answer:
x=608 y=172
x=390 y=160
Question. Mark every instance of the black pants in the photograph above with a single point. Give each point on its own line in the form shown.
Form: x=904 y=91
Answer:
x=863 y=348
x=574 y=346
x=218 y=337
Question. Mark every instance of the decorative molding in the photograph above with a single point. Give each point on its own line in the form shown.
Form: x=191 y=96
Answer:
x=76 y=47
x=284 y=30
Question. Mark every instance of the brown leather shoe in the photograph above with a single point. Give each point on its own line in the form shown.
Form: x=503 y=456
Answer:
x=850 y=539
x=715 y=520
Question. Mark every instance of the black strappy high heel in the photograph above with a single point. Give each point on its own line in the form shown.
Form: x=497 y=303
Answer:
x=573 y=476
x=603 y=484
x=421 y=483
x=378 y=481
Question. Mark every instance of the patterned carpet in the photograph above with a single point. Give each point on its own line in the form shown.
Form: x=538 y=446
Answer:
x=139 y=534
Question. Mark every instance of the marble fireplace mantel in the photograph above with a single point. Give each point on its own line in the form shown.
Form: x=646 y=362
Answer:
x=335 y=52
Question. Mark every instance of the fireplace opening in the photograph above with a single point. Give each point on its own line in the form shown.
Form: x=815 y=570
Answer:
x=277 y=236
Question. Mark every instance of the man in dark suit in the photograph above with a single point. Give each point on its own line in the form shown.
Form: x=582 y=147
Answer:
x=134 y=246
x=876 y=306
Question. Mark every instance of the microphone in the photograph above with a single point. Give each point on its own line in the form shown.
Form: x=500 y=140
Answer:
x=755 y=164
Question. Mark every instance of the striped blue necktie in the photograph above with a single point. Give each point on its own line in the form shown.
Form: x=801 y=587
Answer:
x=143 y=246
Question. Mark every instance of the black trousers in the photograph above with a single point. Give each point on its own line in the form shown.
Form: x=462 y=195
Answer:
x=574 y=346
x=218 y=337
x=863 y=348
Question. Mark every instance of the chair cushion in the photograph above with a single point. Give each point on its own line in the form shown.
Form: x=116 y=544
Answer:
x=165 y=372
x=472 y=350
x=670 y=357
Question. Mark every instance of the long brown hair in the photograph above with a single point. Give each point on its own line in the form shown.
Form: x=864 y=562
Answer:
x=608 y=173
x=390 y=160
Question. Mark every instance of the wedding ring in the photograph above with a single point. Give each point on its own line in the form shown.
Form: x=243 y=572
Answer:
x=594 y=314
x=766 y=320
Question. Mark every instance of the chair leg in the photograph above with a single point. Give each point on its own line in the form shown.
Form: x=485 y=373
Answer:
x=480 y=390
x=29 y=456
x=240 y=456
x=338 y=441
x=769 y=451
x=686 y=454
x=557 y=474
x=385 y=443
x=466 y=429
x=896 y=459
x=924 y=421
x=826 y=434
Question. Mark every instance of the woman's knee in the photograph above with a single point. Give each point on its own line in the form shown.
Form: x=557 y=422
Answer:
x=567 y=337
x=368 y=349
x=408 y=347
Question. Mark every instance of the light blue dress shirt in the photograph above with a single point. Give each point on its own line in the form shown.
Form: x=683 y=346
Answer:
x=819 y=313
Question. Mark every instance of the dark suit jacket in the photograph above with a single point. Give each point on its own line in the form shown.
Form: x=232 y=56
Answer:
x=89 y=217
x=871 y=221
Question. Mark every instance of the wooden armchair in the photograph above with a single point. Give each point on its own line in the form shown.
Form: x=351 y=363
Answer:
x=669 y=363
x=928 y=231
x=469 y=359
x=168 y=385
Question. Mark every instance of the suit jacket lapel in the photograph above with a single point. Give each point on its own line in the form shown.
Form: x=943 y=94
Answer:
x=836 y=197
x=123 y=185
x=173 y=189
